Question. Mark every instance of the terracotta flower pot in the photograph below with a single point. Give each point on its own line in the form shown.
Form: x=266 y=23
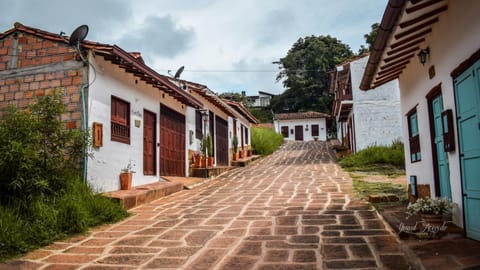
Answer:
x=235 y=156
x=210 y=161
x=125 y=181
x=249 y=152
x=432 y=219
x=241 y=154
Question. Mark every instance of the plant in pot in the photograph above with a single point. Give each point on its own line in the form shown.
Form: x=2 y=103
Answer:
x=209 y=145
x=431 y=210
x=197 y=157
x=126 y=176
x=235 y=147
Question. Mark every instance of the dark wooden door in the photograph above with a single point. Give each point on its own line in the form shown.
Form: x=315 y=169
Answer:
x=172 y=142
x=149 y=143
x=298 y=133
x=221 y=133
x=211 y=116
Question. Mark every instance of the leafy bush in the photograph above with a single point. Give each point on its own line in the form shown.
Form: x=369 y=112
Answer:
x=42 y=196
x=37 y=150
x=375 y=158
x=265 y=140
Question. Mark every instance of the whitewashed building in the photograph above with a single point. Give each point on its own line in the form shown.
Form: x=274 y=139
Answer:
x=433 y=48
x=364 y=118
x=301 y=126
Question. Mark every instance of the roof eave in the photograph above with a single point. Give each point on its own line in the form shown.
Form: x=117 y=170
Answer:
x=390 y=18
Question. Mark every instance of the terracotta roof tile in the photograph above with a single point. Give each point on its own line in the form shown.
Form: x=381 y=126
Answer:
x=300 y=115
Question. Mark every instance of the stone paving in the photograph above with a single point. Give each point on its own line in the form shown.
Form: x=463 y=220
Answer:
x=291 y=210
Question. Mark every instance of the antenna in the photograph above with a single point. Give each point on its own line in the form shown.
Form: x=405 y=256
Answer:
x=179 y=72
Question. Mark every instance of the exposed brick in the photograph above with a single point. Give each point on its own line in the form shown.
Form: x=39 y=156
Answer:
x=250 y=249
x=235 y=263
x=125 y=259
x=13 y=88
x=165 y=263
x=334 y=252
x=350 y=264
x=304 y=256
x=360 y=251
x=24 y=87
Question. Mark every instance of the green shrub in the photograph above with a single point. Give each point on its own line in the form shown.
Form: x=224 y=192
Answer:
x=376 y=158
x=42 y=195
x=265 y=140
x=37 y=150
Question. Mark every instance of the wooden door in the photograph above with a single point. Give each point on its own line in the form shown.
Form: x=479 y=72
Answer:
x=440 y=157
x=298 y=133
x=172 y=142
x=149 y=143
x=467 y=97
x=221 y=133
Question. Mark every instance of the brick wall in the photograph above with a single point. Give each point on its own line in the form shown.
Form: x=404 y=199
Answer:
x=32 y=66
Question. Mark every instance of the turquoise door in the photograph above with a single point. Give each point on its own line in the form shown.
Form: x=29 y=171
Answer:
x=442 y=157
x=467 y=96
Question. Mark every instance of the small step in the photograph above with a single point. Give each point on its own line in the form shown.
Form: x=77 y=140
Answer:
x=144 y=194
x=245 y=161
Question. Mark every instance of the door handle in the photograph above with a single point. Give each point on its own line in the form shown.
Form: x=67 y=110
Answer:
x=465 y=195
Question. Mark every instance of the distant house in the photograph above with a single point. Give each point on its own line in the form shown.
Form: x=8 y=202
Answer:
x=364 y=118
x=242 y=125
x=136 y=115
x=433 y=48
x=262 y=100
x=301 y=126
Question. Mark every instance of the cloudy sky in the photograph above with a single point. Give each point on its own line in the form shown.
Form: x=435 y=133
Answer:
x=229 y=45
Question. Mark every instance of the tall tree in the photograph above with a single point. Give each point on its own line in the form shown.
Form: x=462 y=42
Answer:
x=369 y=39
x=305 y=70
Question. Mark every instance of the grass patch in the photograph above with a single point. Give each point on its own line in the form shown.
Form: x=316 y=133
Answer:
x=364 y=189
x=265 y=140
x=43 y=221
x=388 y=160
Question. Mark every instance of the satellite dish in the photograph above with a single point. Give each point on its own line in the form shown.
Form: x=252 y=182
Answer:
x=179 y=72
x=78 y=35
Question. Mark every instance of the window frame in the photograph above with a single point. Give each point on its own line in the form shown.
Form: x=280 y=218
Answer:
x=198 y=125
x=414 y=136
x=117 y=121
x=284 y=131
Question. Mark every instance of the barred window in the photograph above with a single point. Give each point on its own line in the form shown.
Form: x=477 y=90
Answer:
x=198 y=125
x=120 y=120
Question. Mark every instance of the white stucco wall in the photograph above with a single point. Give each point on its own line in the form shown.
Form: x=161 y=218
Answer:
x=307 y=135
x=107 y=162
x=376 y=112
x=454 y=38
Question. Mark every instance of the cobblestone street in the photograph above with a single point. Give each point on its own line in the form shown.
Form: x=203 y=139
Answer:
x=291 y=210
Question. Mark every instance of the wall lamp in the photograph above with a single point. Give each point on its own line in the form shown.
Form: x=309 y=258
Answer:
x=423 y=54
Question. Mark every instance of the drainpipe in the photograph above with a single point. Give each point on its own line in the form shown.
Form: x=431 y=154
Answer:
x=84 y=127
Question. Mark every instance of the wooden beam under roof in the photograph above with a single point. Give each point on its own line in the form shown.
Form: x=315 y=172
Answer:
x=422 y=6
x=410 y=38
x=401 y=54
x=416 y=28
x=423 y=16
x=396 y=62
x=400 y=65
x=401 y=48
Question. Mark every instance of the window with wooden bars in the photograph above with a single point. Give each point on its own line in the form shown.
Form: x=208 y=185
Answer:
x=285 y=131
x=414 y=138
x=198 y=125
x=315 y=130
x=120 y=120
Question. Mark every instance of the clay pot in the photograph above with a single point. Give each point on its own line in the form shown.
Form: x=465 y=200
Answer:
x=125 y=181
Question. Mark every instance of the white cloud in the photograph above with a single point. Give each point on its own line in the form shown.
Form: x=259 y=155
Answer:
x=211 y=38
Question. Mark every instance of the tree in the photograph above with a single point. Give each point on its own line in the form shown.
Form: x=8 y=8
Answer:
x=369 y=39
x=306 y=69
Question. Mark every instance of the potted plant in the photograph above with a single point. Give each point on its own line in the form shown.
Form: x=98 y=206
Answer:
x=249 y=152
x=209 y=145
x=431 y=210
x=235 y=147
x=126 y=176
x=197 y=157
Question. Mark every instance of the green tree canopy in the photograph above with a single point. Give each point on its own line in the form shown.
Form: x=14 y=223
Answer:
x=369 y=39
x=306 y=69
